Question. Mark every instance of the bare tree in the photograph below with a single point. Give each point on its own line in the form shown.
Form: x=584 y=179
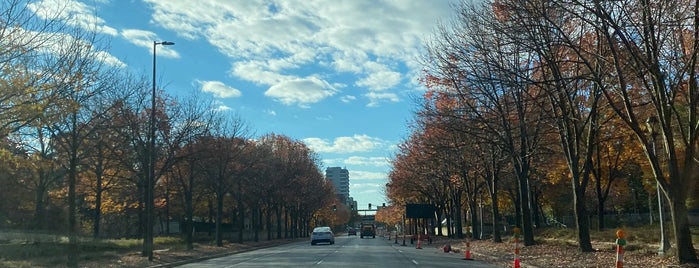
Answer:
x=490 y=78
x=655 y=49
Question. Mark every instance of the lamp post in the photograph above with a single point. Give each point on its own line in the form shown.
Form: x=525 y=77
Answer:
x=150 y=180
x=651 y=124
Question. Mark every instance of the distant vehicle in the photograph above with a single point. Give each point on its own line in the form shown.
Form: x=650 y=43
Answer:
x=322 y=235
x=351 y=231
x=367 y=230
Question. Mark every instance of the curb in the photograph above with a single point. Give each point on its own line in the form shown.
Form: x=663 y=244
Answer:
x=219 y=255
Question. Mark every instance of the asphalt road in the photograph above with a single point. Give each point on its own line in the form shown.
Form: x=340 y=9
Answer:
x=348 y=251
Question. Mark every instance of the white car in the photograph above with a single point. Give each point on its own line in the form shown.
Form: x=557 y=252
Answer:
x=322 y=235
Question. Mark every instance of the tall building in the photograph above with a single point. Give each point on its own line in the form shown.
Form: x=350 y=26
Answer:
x=340 y=179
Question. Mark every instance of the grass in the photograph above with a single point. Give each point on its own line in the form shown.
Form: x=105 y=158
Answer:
x=18 y=253
x=641 y=238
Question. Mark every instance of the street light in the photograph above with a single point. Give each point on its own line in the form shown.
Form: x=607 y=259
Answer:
x=651 y=124
x=150 y=180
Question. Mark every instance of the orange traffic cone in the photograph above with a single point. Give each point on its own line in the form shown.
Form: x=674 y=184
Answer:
x=467 y=252
x=620 y=243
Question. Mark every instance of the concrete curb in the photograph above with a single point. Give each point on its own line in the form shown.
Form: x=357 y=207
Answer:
x=224 y=254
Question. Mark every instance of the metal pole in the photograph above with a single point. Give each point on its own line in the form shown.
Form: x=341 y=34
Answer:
x=664 y=243
x=148 y=237
x=150 y=180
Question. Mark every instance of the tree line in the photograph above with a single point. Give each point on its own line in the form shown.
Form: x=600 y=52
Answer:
x=540 y=109
x=74 y=137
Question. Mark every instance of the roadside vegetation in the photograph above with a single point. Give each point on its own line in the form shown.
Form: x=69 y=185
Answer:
x=536 y=114
x=125 y=253
x=556 y=113
x=90 y=149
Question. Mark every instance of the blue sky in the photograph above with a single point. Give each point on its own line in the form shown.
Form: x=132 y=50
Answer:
x=339 y=75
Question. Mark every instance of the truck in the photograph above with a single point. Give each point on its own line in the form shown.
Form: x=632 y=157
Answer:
x=367 y=229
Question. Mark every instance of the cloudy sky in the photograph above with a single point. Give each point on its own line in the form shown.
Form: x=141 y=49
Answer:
x=340 y=75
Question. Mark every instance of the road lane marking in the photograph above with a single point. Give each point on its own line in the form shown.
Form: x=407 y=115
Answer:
x=415 y=262
x=319 y=262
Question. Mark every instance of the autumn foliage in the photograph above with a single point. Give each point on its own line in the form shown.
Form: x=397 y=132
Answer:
x=553 y=113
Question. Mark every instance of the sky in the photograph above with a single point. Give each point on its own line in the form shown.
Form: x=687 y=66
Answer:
x=339 y=75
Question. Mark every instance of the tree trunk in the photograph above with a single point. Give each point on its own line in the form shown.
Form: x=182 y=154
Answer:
x=600 y=215
x=98 y=209
x=219 y=219
x=278 y=210
x=286 y=223
x=439 y=212
x=496 y=214
x=518 y=210
x=256 y=223
x=241 y=218
x=681 y=230
x=39 y=211
x=268 y=219
x=474 y=218
x=535 y=209
x=582 y=219
x=526 y=217
x=459 y=223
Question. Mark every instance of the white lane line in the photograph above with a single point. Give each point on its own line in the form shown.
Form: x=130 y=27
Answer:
x=319 y=262
x=415 y=262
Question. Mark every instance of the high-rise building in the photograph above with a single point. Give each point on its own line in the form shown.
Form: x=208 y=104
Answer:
x=340 y=179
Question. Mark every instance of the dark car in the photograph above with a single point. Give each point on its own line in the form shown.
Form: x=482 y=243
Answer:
x=351 y=231
x=368 y=230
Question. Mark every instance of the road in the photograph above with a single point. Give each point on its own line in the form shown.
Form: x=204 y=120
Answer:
x=348 y=251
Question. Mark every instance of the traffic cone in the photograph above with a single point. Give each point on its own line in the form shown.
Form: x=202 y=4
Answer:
x=620 y=243
x=467 y=252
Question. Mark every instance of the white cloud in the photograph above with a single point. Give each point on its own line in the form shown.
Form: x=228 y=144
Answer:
x=74 y=13
x=257 y=72
x=348 y=98
x=374 y=190
x=219 y=106
x=110 y=59
x=376 y=98
x=380 y=80
x=219 y=89
x=309 y=36
x=367 y=161
x=300 y=91
x=367 y=175
x=54 y=43
x=145 y=39
x=356 y=143
x=324 y=118
x=222 y=108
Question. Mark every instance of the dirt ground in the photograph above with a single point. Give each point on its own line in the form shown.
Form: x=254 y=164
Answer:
x=545 y=255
